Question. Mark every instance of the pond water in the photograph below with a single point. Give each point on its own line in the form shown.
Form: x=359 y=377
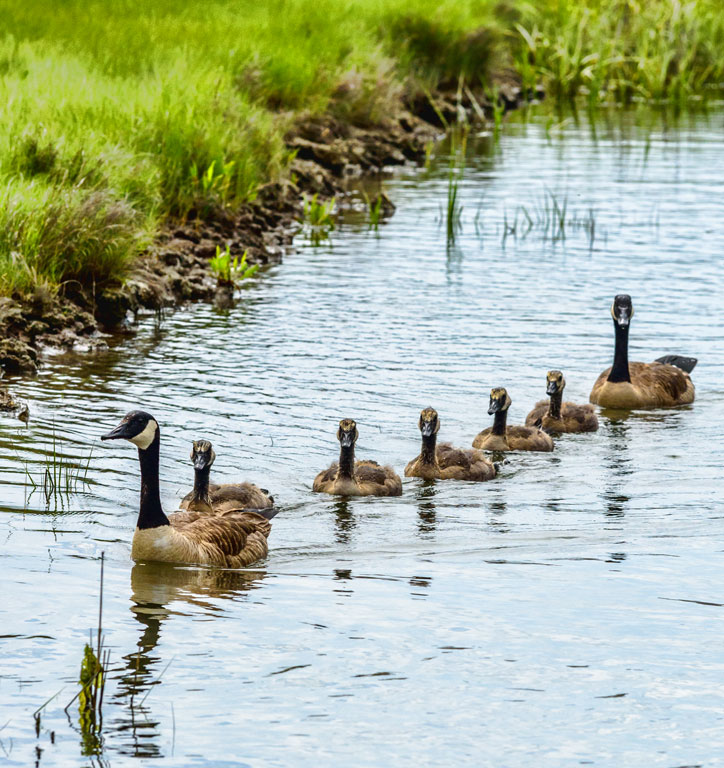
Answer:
x=567 y=613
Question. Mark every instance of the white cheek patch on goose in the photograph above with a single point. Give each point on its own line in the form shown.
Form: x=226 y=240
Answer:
x=145 y=438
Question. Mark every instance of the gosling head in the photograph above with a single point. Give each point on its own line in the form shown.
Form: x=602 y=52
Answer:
x=622 y=310
x=555 y=383
x=202 y=454
x=137 y=426
x=429 y=422
x=347 y=433
x=499 y=400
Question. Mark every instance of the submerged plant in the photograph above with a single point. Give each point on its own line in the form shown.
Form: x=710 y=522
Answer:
x=230 y=271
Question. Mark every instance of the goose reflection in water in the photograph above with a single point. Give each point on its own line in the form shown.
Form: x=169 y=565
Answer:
x=426 y=509
x=158 y=592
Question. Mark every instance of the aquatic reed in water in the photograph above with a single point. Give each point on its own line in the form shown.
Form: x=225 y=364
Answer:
x=230 y=271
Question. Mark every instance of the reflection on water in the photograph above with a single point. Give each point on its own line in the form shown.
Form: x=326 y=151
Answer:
x=513 y=613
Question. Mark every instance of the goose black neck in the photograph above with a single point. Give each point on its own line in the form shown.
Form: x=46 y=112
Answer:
x=346 y=462
x=619 y=369
x=427 y=454
x=151 y=513
x=201 y=485
x=499 y=422
x=554 y=410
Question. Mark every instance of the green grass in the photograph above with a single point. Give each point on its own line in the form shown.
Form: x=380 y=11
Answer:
x=117 y=115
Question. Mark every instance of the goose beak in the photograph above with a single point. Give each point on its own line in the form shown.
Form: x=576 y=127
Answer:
x=122 y=431
x=552 y=388
x=623 y=317
x=427 y=428
x=495 y=406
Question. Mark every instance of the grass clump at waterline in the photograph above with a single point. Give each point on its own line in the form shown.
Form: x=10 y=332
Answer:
x=116 y=116
x=620 y=50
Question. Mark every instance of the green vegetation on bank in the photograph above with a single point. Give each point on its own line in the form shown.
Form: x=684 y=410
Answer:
x=115 y=115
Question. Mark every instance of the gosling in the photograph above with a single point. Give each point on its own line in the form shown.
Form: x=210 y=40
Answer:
x=501 y=437
x=443 y=462
x=348 y=477
x=557 y=416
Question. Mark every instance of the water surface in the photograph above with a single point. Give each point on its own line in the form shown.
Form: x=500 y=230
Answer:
x=567 y=613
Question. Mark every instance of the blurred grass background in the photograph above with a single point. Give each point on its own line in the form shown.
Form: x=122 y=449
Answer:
x=116 y=115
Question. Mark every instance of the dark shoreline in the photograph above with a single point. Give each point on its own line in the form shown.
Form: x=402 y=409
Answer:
x=175 y=269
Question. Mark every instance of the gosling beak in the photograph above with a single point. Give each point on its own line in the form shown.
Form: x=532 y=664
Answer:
x=552 y=388
x=427 y=428
x=347 y=439
x=495 y=406
x=122 y=431
x=201 y=461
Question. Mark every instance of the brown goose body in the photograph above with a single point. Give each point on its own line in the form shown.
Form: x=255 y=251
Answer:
x=231 y=539
x=556 y=416
x=651 y=385
x=501 y=437
x=443 y=462
x=348 y=477
x=629 y=386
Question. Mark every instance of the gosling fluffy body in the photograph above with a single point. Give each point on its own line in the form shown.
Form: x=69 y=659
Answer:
x=629 y=386
x=443 y=462
x=206 y=496
x=348 y=477
x=231 y=539
x=501 y=437
x=554 y=415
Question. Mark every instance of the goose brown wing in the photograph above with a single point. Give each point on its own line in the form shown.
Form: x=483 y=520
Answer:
x=241 y=495
x=662 y=381
x=539 y=411
x=370 y=472
x=447 y=456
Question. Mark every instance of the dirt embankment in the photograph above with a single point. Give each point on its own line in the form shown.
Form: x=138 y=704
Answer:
x=175 y=269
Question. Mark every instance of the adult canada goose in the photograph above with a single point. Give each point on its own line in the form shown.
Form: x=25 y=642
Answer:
x=348 y=477
x=501 y=437
x=443 y=462
x=556 y=416
x=205 y=496
x=625 y=386
x=232 y=539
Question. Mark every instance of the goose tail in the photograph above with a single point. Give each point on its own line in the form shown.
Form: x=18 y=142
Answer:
x=685 y=363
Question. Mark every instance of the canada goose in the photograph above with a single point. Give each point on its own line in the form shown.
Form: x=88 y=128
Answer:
x=232 y=539
x=501 y=437
x=348 y=477
x=625 y=386
x=443 y=462
x=557 y=416
x=221 y=498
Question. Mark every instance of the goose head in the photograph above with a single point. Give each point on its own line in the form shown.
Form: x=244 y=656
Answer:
x=137 y=426
x=555 y=383
x=499 y=400
x=622 y=310
x=347 y=433
x=202 y=455
x=429 y=422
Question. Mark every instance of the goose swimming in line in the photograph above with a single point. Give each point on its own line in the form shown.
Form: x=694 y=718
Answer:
x=501 y=437
x=232 y=539
x=206 y=496
x=625 y=386
x=556 y=416
x=348 y=477
x=443 y=462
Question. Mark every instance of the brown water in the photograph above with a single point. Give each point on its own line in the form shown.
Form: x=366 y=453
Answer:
x=567 y=613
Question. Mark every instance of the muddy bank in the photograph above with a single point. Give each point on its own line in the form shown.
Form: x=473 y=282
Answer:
x=176 y=269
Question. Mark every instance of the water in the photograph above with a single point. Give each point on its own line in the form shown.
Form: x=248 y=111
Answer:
x=567 y=613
